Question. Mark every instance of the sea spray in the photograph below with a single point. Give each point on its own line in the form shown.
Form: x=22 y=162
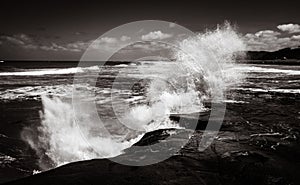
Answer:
x=186 y=84
x=219 y=48
x=189 y=81
x=59 y=140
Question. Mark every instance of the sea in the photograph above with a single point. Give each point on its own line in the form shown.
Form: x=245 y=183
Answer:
x=37 y=130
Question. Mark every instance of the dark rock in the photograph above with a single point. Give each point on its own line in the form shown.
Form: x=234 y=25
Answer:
x=153 y=137
x=283 y=54
x=199 y=121
x=230 y=160
x=176 y=170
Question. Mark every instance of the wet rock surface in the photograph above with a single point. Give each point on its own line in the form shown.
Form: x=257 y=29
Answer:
x=257 y=144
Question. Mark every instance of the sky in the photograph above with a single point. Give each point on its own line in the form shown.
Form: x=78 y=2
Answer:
x=62 y=30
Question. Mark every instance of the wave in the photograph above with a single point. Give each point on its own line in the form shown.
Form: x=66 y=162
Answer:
x=63 y=90
x=283 y=91
x=6 y=159
x=255 y=69
x=182 y=88
x=35 y=92
x=60 y=140
x=121 y=65
x=51 y=71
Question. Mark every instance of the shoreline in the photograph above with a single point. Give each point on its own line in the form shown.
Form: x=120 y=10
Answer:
x=235 y=157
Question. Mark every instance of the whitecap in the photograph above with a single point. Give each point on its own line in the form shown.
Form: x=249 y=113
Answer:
x=50 y=71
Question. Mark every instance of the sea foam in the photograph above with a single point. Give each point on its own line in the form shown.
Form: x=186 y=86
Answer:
x=184 y=87
x=53 y=71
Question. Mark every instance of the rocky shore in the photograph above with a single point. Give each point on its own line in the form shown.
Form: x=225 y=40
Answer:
x=256 y=145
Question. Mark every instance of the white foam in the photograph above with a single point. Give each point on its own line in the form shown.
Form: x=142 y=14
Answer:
x=65 y=141
x=182 y=85
x=121 y=65
x=34 y=172
x=267 y=70
x=52 y=71
x=34 y=92
x=135 y=98
x=234 y=101
x=292 y=91
x=6 y=159
x=179 y=89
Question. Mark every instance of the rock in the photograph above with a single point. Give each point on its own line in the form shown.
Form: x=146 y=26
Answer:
x=229 y=160
x=198 y=121
x=176 y=170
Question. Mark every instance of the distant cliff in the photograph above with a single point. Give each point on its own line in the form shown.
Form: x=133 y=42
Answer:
x=283 y=54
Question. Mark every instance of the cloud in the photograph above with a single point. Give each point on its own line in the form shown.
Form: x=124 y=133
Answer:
x=125 y=38
x=108 y=40
x=78 y=45
x=172 y=25
x=105 y=43
x=267 y=33
x=156 y=35
x=26 y=42
x=290 y=28
x=296 y=37
x=269 y=40
x=17 y=39
x=24 y=37
x=150 y=46
x=54 y=47
x=72 y=47
x=30 y=46
x=12 y=39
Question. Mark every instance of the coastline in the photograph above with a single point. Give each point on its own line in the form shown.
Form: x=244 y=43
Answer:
x=238 y=155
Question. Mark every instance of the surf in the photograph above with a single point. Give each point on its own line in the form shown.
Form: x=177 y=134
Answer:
x=184 y=88
x=51 y=71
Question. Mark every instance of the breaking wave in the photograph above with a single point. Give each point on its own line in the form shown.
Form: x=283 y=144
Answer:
x=53 y=71
x=182 y=88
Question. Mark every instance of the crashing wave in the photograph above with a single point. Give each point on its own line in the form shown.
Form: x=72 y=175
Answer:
x=183 y=88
